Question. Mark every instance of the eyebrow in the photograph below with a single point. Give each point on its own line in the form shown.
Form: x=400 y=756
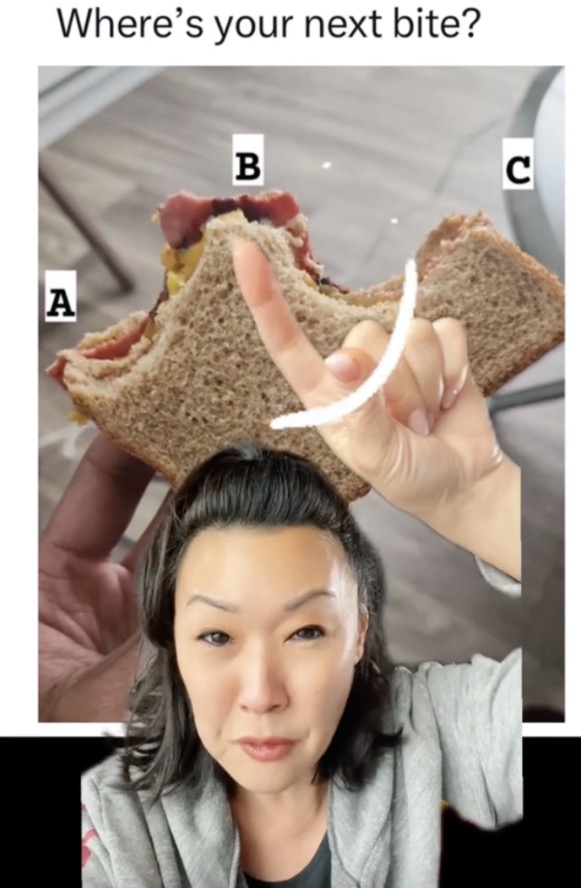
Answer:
x=293 y=605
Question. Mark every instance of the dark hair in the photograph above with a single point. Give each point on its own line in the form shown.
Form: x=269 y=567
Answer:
x=250 y=486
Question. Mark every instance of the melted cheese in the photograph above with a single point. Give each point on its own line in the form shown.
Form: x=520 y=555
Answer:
x=174 y=281
x=181 y=264
x=78 y=417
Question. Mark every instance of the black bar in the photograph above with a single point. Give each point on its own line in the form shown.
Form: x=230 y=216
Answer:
x=41 y=798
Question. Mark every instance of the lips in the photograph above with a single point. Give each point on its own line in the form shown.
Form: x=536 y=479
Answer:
x=267 y=749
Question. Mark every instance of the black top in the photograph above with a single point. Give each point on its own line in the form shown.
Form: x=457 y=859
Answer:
x=316 y=874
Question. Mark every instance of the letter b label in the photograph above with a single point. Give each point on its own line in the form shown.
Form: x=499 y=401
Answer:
x=248 y=159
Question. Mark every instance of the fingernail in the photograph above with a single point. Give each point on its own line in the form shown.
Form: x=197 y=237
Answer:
x=238 y=244
x=451 y=392
x=449 y=396
x=342 y=367
x=418 y=423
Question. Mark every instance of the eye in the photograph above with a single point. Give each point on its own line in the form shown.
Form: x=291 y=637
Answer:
x=309 y=633
x=215 y=638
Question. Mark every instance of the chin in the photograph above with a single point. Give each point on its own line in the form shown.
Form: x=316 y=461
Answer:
x=266 y=783
x=265 y=777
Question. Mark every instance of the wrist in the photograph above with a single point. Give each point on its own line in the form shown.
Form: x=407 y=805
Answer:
x=486 y=519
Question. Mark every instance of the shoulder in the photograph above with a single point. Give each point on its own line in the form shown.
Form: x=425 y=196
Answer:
x=436 y=687
x=107 y=797
x=184 y=830
x=106 y=777
x=479 y=667
x=122 y=817
x=104 y=789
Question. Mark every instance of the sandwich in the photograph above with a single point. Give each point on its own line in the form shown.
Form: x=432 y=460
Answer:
x=174 y=384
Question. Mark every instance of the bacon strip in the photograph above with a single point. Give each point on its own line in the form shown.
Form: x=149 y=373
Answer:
x=111 y=350
x=182 y=216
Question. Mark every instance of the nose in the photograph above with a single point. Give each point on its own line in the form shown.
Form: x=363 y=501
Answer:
x=262 y=685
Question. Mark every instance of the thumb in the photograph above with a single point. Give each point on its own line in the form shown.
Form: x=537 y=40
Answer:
x=372 y=434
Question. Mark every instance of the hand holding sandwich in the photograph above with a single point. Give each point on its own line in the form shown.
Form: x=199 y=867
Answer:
x=425 y=442
x=88 y=623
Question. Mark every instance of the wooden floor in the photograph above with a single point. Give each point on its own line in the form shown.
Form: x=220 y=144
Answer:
x=407 y=144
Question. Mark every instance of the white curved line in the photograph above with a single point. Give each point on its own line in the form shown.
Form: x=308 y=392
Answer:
x=320 y=416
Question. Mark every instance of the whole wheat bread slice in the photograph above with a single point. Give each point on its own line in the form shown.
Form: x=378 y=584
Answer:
x=205 y=380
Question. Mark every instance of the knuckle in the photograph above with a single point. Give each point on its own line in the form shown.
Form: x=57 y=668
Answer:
x=402 y=404
x=421 y=331
x=364 y=332
x=450 y=327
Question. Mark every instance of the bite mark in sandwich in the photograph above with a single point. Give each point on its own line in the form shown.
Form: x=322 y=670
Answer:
x=178 y=382
x=183 y=218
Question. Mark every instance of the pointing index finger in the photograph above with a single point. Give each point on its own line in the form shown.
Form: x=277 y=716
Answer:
x=281 y=334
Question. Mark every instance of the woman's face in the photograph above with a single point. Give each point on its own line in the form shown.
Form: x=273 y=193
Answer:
x=267 y=632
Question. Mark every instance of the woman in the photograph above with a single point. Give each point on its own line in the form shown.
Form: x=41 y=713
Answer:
x=263 y=604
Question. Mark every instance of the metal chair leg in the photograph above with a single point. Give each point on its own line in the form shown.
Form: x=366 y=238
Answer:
x=549 y=391
x=87 y=229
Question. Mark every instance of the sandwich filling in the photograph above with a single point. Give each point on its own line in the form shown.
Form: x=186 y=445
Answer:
x=183 y=219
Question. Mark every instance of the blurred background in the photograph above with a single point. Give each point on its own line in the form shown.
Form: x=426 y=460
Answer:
x=376 y=157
